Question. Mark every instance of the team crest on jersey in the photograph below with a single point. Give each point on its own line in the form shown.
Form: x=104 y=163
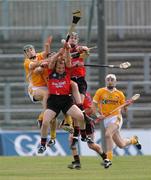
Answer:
x=104 y=101
x=56 y=75
x=109 y=101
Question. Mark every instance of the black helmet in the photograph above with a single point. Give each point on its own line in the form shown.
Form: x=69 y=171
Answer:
x=28 y=46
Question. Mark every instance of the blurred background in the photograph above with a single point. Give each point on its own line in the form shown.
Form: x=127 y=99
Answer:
x=128 y=33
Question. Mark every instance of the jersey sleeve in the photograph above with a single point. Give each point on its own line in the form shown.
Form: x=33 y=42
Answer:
x=26 y=68
x=97 y=96
x=26 y=63
x=122 y=101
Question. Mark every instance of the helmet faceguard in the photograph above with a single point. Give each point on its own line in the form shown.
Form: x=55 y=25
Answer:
x=28 y=46
x=29 y=50
x=110 y=81
x=74 y=39
x=75 y=35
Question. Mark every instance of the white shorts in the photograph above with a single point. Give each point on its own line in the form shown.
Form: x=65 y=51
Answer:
x=118 y=120
x=31 y=91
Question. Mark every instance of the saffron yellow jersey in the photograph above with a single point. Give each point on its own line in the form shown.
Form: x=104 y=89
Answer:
x=108 y=100
x=32 y=78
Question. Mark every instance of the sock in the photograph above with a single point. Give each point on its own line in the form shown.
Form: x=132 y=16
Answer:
x=77 y=158
x=109 y=155
x=53 y=134
x=43 y=141
x=76 y=131
x=133 y=140
x=83 y=133
x=53 y=129
x=103 y=155
x=68 y=120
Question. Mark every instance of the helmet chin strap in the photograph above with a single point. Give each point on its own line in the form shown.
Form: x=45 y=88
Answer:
x=33 y=57
x=72 y=45
x=110 y=87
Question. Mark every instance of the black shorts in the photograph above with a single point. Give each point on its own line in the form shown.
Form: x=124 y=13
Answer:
x=82 y=84
x=59 y=103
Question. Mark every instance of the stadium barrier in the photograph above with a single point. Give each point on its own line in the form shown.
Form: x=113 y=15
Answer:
x=25 y=143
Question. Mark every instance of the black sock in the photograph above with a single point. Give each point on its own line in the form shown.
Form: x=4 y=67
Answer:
x=83 y=133
x=77 y=158
x=103 y=155
x=76 y=131
x=43 y=141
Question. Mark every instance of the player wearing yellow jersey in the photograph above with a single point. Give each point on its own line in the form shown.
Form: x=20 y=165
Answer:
x=37 y=85
x=37 y=88
x=107 y=99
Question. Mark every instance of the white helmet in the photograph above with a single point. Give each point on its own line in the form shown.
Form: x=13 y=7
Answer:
x=110 y=81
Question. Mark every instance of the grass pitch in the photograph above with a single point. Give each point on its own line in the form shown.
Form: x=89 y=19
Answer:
x=55 y=168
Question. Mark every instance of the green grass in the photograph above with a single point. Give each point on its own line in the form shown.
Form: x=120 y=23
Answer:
x=55 y=168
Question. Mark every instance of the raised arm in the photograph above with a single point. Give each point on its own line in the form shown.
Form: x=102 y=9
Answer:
x=47 y=46
x=67 y=55
x=53 y=59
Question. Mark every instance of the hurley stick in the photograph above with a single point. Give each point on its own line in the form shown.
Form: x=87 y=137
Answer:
x=75 y=19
